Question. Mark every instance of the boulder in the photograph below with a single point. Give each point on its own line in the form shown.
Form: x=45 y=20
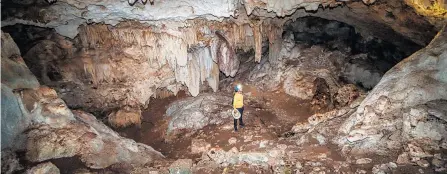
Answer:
x=196 y=112
x=15 y=77
x=397 y=110
x=15 y=73
x=13 y=120
x=44 y=168
x=125 y=117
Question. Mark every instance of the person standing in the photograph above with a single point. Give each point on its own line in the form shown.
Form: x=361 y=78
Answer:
x=238 y=104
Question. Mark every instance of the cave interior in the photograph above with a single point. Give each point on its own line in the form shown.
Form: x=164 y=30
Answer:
x=128 y=86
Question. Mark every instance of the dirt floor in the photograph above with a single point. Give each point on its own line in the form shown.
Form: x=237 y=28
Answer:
x=267 y=116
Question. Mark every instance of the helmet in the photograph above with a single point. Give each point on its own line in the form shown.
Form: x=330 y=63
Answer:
x=238 y=87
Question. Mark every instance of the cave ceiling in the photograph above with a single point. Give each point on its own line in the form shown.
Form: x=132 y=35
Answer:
x=415 y=20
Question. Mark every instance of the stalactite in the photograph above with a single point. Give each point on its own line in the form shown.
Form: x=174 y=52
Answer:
x=258 y=40
x=93 y=36
x=227 y=60
x=213 y=78
x=214 y=50
x=163 y=93
x=275 y=41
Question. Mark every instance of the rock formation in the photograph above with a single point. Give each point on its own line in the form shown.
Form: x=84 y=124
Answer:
x=38 y=122
x=406 y=106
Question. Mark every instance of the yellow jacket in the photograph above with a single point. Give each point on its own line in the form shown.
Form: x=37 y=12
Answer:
x=238 y=101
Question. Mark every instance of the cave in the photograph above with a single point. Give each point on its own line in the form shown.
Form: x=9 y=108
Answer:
x=224 y=86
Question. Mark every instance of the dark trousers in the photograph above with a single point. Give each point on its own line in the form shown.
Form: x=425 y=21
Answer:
x=241 y=110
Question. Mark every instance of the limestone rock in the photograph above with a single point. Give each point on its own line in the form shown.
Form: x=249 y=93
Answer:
x=15 y=73
x=232 y=140
x=59 y=132
x=301 y=127
x=10 y=162
x=403 y=158
x=195 y=113
x=13 y=120
x=423 y=163
x=346 y=94
x=416 y=151
x=304 y=84
x=363 y=161
x=44 y=168
x=15 y=76
x=125 y=117
x=389 y=109
x=9 y=47
x=199 y=146
x=182 y=166
x=383 y=168
x=437 y=162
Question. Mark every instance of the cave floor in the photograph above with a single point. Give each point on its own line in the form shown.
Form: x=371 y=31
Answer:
x=268 y=117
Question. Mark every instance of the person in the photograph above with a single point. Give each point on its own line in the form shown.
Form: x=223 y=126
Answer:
x=238 y=103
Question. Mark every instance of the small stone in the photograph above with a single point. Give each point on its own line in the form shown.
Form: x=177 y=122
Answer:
x=363 y=161
x=248 y=138
x=232 y=140
x=416 y=151
x=316 y=169
x=392 y=165
x=274 y=153
x=403 y=158
x=298 y=165
x=282 y=146
x=423 y=163
x=381 y=169
x=360 y=171
x=181 y=166
x=263 y=143
x=436 y=162
x=320 y=138
x=440 y=169
x=421 y=171
x=437 y=156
